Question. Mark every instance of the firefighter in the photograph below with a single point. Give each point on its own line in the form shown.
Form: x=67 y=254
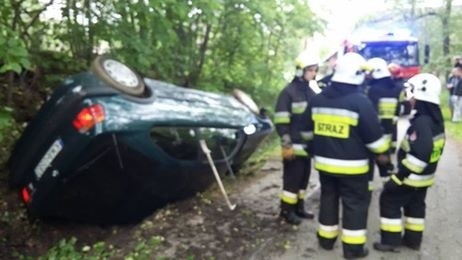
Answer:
x=345 y=128
x=385 y=95
x=289 y=120
x=418 y=157
x=404 y=105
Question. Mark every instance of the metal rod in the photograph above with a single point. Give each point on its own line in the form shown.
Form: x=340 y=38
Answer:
x=206 y=151
x=225 y=156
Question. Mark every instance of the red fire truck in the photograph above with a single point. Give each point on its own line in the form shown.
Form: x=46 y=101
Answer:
x=402 y=51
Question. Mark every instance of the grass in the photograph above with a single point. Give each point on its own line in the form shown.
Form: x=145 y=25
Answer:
x=454 y=129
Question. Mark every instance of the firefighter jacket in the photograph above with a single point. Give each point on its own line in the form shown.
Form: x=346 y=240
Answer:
x=421 y=147
x=385 y=95
x=290 y=115
x=345 y=128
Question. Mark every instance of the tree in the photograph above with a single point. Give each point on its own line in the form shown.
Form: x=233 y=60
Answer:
x=212 y=45
x=17 y=20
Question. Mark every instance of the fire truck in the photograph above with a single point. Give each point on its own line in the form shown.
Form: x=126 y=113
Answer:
x=400 y=50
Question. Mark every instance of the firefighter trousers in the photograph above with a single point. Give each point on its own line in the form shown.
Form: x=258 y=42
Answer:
x=355 y=196
x=412 y=201
x=295 y=178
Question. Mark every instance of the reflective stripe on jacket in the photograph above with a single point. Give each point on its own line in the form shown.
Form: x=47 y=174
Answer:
x=345 y=130
x=420 y=152
x=385 y=94
x=291 y=113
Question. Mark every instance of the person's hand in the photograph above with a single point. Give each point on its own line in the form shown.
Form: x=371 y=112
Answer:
x=286 y=141
x=391 y=183
x=383 y=159
x=287 y=152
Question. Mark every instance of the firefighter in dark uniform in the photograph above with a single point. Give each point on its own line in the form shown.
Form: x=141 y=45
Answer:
x=418 y=157
x=404 y=105
x=385 y=95
x=289 y=121
x=345 y=128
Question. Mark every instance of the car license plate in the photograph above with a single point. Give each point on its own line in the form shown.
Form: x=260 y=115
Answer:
x=49 y=156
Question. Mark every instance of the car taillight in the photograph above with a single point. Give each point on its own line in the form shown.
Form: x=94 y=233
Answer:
x=88 y=117
x=25 y=193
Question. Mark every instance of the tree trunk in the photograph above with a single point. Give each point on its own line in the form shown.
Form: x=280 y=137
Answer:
x=445 y=23
x=195 y=75
x=9 y=93
x=89 y=47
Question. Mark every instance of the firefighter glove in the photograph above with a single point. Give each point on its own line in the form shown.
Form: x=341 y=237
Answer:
x=287 y=153
x=286 y=141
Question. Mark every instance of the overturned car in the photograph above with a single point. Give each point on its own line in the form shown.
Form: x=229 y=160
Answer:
x=110 y=146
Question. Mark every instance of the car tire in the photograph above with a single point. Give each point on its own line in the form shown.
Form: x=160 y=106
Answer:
x=118 y=75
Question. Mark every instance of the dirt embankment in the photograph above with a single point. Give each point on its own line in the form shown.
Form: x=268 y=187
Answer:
x=198 y=228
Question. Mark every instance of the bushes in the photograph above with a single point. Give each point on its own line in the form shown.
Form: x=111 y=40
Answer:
x=9 y=133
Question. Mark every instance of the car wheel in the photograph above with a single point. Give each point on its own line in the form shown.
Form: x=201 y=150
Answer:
x=118 y=75
x=246 y=100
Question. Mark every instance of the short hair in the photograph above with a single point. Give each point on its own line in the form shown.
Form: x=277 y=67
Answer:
x=457 y=61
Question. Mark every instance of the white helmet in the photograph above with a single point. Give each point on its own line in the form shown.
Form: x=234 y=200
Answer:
x=379 y=68
x=306 y=59
x=425 y=87
x=350 y=69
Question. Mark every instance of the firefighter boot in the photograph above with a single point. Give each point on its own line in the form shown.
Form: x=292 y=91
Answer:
x=302 y=212
x=385 y=247
x=410 y=245
x=354 y=255
x=288 y=214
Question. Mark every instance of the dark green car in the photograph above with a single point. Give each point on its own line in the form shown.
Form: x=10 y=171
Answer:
x=109 y=146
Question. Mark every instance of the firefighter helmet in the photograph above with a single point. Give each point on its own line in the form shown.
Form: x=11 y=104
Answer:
x=350 y=69
x=306 y=59
x=424 y=87
x=379 y=68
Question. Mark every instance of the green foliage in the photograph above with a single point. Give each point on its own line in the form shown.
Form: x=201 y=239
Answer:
x=454 y=129
x=9 y=132
x=13 y=52
x=144 y=249
x=268 y=148
x=67 y=249
x=253 y=43
x=211 y=45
